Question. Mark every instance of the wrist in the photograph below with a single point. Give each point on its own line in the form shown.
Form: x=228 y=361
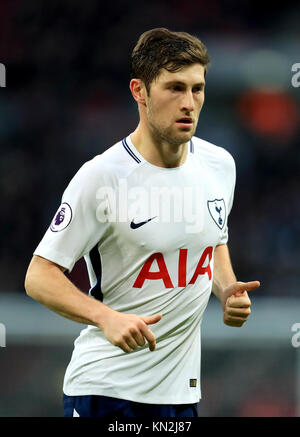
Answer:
x=101 y=314
x=221 y=292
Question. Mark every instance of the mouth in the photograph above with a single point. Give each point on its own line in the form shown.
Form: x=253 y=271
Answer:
x=185 y=122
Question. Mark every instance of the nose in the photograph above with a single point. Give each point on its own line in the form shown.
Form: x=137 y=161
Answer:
x=188 y=103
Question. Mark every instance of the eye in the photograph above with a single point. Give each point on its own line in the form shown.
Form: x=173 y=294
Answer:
x=198 y=89
x=176 y=88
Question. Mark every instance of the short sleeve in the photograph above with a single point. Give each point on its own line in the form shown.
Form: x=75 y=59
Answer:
x=230 y=178
x=76 y=226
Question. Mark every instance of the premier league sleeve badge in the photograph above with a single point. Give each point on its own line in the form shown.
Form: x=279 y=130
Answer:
x=62 y=218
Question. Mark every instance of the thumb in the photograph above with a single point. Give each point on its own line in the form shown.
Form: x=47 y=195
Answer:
x=150 y=320
x=239 y=287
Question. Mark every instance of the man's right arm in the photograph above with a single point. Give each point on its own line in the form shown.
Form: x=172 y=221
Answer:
x=46 y=283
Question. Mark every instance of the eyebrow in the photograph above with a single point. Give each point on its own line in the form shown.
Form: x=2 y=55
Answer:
x=179 y=82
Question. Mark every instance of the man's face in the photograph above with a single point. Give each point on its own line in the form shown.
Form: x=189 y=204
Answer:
x=174 y=104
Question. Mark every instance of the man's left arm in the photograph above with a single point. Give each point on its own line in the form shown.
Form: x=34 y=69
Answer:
x=233 y=294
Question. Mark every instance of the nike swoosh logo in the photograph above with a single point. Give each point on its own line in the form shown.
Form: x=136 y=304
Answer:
x=138 y=225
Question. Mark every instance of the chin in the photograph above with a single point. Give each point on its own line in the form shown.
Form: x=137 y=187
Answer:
x=183 y=138
x=176 y=138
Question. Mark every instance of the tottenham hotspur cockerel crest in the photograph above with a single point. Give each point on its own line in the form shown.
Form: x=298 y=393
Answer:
x=217 y=211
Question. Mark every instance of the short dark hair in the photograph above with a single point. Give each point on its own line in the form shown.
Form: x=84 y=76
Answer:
x=161 y=48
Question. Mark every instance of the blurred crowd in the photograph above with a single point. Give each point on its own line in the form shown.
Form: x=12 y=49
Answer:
x=67 y=99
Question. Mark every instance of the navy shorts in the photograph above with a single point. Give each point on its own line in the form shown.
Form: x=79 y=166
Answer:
x=103 y=406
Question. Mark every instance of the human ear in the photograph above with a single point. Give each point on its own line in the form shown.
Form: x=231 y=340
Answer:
x=138 y=91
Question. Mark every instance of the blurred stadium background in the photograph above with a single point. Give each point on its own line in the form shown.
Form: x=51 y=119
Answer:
x=67 y=99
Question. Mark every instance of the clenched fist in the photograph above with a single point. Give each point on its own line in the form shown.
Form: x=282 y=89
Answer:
x=236 y=303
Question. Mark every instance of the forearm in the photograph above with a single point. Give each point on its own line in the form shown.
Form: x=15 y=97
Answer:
x=223 y=271
x=46 y=283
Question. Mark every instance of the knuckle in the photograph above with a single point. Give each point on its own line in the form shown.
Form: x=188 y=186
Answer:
x=126 y=336
x=121 y=340
x=122 y=337
x=141 y=325
x=117 y=343
x=133 y=330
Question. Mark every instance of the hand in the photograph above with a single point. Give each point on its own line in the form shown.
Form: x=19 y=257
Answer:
x=129 y=331
x=236 y=303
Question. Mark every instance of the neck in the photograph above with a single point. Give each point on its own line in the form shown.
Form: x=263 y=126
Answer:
x=159 y=152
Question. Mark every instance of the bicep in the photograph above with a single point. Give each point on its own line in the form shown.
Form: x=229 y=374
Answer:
x=38 y=270
x=39 y=262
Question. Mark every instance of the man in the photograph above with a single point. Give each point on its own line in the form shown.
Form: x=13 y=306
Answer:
x=151 y=274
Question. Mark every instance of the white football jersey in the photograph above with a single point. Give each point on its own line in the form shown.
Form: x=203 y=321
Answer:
x=148 y=236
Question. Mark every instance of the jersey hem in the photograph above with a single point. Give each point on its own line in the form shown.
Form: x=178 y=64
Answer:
x=140 y=399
